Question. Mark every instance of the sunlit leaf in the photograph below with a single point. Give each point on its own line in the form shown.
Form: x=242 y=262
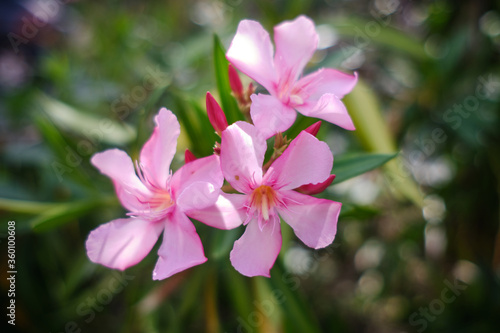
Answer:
x=88 y=125
x=375 y=136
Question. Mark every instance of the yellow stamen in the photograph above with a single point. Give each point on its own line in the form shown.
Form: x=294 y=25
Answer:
x=263 y=199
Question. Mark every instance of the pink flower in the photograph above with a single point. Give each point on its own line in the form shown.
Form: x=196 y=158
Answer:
x=157 y=201
x=314 y=95
x=267 y=196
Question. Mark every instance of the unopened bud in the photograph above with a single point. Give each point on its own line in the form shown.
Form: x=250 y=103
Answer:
x=188 y=156
x=235 y=82
x=311 y=189
x=215 y=114
x=314 y=128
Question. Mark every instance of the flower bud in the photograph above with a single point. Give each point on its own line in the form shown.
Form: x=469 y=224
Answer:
x=314 y=128
x=215 y=114
x=188 y=156
x=235 y=82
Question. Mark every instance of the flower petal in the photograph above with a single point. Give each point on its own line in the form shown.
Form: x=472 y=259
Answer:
x=311 y=189
x=181 y=247
x=313 y=220
x=256 y=251
x=196 y=184
x=270 y=115
x=242 y=154
x=330 y=108
x=197 y=195
x=227 y=213
x=306 y=161
x=118 y=166
x=296 y=41
x=251 y=52
x=158 y=151
x=122 y=243
x=326 y=81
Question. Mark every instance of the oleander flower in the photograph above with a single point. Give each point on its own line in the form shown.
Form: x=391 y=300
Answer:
x=315 y=95
x=267 y=196
x=159 y=201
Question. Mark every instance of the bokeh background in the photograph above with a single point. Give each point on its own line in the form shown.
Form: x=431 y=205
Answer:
x=417 y=249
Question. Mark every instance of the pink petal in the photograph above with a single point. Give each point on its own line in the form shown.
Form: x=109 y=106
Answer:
x=158 y=151
x=313 y=220
x=326 y=81
x=329 y=108
x=296 y=41
x=118 y=166
x=306 y=161
x=256 y=251
x=251 y=52
x=122 y=243
x=197 y=184
x=197 y=195
x=270 y=115
x=181 y=247
x=227 y=213
x=311 y=189
x=242 y=155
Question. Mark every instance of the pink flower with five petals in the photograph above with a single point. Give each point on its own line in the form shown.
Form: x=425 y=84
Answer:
x=268 y=196
x=315 y=95
x=159 y=201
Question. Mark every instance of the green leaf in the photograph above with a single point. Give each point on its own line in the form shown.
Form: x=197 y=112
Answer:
x=67 y=159
x=27 y=207
x=228 y=102
x=192 y=120
x=358 y=212
x=206 y=130
x=351 y=165
x=223 y=243
x=295 y=308
x=375 y=136
x=386 y=36
x=66 y=212
x=86 y=124
x=238 y=289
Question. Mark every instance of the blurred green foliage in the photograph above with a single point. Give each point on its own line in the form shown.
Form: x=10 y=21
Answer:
x=95 y=77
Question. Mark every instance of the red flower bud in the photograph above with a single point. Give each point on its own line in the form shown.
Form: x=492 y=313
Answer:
x=188 y=156
x=235 y=82
x=314 y=128
x=215 y=114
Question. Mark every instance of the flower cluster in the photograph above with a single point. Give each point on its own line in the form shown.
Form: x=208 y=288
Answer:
x=258 y=194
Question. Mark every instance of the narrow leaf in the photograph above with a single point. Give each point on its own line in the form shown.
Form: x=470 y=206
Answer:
x=101 y=128
x=285 y=287
x=351 y=165
x=23 y=206
x=228 y=102
x=374 y=134
x=66 y=212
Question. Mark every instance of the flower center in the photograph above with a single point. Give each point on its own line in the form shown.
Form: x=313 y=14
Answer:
x=160 y=201
x=263 y=199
